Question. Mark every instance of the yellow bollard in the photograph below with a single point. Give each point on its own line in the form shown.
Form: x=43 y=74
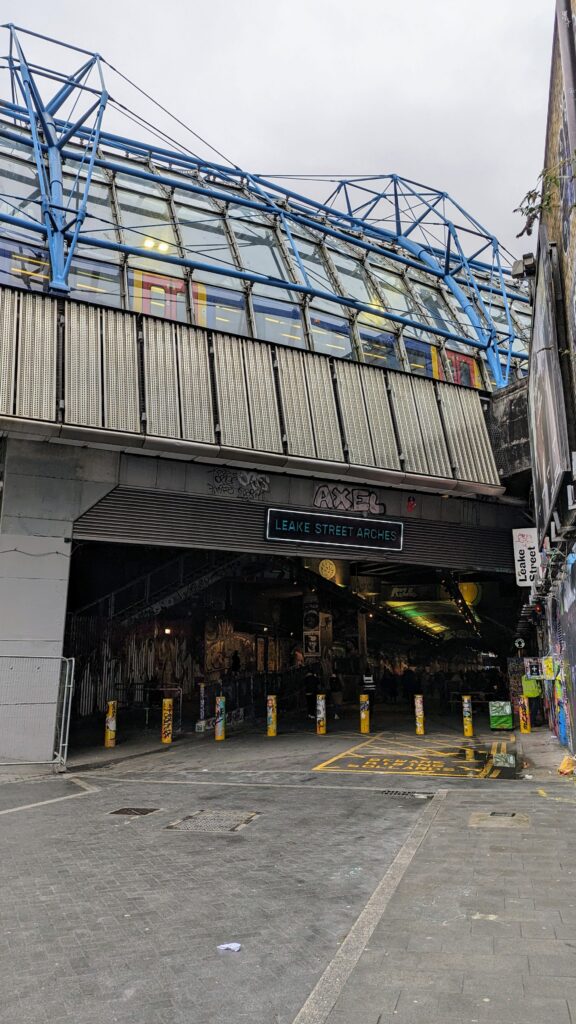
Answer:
x=470 y=754
x=419 y=710
x=524 y=714
x=167 y=720
x=467 y=716
x=110 y=730
x=271 y=715
x=321 y=714
x=364 y=713
x=220 y=723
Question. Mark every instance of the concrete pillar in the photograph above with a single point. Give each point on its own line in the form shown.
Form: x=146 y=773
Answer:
x=45 y=487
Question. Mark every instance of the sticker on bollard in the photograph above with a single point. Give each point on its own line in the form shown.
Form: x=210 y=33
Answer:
x=364 y=713
x=220 y=719
x=110 y=730
x=271 y=715
x=321 y=714
x=524 y=715
x=167 y=720
x=467 y=716
x=419 y=712
x=202 y=709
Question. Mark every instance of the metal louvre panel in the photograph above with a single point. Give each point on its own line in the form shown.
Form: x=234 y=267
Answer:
x=431 y=427
x=195 y=386
x=231 y=391
x=36 y=383
x=354 y=418
x=379 y=417
x=457 y=431
x=174 y=519
x=323 y=408
x=480 y=440
x=121 y=398
x=161 y=379
x=294 y=392
x=8 y=314
x=264 y=417
x=410 y=435
x=83 y=366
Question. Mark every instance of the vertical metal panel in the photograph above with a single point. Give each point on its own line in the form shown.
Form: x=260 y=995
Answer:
x=379 y=417
x=195 y=386
x=120 y=348
x=294 y=392
x=8 y=319
x=231 y=391
x=409 y=432
x=82 y=366
x=36 y=383
x=161 y=379
x=479 y=438
x=354 y=418
x=431 y=427
x=457 y=432
x=323 y=408
x=263 y=405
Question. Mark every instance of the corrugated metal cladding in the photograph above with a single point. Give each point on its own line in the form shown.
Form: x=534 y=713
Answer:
x=250 y=395
x=143 y=517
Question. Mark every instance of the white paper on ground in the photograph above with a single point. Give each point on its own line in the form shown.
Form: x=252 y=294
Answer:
x=234 y=946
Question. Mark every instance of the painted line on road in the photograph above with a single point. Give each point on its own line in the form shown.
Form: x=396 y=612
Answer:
x=85 y=790
x=325 y=994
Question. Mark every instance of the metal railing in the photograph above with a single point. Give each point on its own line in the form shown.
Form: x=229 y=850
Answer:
x=35 y=706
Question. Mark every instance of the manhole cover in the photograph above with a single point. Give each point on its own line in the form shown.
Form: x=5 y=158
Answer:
x=498 y=819
x=213 y=821
x=134 y=812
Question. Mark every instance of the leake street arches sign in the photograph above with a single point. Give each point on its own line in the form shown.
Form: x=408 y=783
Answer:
x=344 y=531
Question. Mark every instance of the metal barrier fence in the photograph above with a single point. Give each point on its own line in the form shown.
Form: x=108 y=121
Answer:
x=35 y=705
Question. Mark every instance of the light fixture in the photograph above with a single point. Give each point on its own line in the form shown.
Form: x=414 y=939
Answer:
x=163 y=246
x=149 y=243
x=265 y=629
x=167 y=630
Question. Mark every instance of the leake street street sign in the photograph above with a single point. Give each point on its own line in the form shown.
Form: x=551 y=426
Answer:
x=344 y=531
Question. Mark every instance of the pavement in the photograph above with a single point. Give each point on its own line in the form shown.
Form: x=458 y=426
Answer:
x=399 y=891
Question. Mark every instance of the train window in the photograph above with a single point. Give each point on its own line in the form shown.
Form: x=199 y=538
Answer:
x=157 y=295
x=219 y=308
x=280 y=322
x=330 y=334
x=96 y=282
x=420 y=357
x=24 y=266
x=379 y=347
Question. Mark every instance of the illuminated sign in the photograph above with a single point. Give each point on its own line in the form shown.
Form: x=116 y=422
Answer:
x=343 y=531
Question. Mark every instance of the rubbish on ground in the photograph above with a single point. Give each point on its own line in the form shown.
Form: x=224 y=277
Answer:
x=233 y=946
x=567 y=765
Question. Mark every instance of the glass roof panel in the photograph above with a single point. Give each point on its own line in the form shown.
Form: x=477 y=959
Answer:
x=353 y=278
x=204 y=236
x=436 y=310
x=259 y=249
x=147 y=225
x=19 y=194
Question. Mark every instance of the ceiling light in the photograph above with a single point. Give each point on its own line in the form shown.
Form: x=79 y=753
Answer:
x=163 y=247
x=149 y=243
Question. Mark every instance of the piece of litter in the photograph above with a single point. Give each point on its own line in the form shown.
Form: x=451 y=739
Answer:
x=233 y=946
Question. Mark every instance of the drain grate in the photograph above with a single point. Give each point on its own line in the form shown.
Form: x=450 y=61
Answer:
x=213 y=821
x=134 y=812
x=406 y=793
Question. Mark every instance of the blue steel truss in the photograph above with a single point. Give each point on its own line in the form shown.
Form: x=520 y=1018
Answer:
x=407 y=222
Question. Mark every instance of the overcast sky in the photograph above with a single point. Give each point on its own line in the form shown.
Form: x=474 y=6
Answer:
x=448 y=92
